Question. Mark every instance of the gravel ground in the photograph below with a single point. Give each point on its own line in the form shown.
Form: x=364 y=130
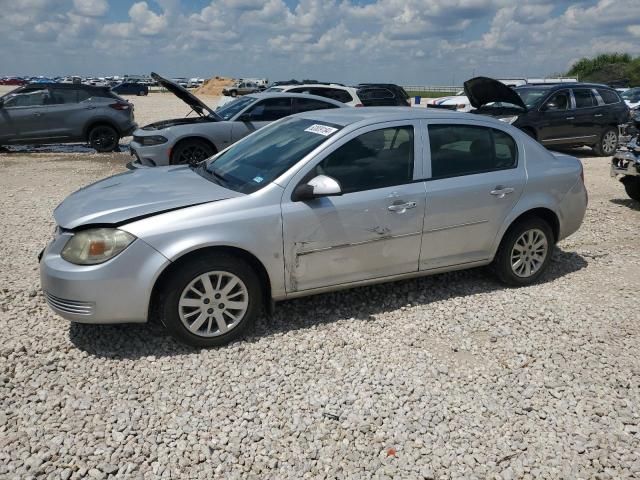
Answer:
x=451 y=376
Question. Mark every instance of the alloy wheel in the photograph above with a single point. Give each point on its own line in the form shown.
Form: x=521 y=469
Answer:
x=529 y=253
x=609 y=142
x=213 y=304
x=103 y=138
x=193 y=155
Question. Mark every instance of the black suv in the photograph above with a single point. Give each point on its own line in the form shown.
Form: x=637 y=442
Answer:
x=382 y=95
x=565 y=114
x=42 y=113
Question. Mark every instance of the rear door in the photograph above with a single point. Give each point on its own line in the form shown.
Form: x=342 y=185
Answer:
x=260 y=114
x=588 y=117
x=476 y=178
x=62 y=113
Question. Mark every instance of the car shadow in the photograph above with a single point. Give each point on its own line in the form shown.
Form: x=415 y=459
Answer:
x=58 y=148
x=132 y=341
x=626 y=202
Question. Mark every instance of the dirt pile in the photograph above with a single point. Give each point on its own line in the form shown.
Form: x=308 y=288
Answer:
x=214 y=86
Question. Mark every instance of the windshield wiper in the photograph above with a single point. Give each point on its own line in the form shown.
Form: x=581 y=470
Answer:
x=220 y=177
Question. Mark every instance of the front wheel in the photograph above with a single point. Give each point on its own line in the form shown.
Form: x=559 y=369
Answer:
x=234 y=93
x=524 y=253
x=632 y=187
x=104 y=138
x=607 y=144
x=191 y=152
x=211 y=300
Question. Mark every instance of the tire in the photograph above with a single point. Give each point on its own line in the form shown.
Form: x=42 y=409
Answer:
x=632 y=187
x=191 y=152
x=189 y=310
x=234 y=93
x=607 y=144
x=141 y=93
x=525 y=234
x=103 y=138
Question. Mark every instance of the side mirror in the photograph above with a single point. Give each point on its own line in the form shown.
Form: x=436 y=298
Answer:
x=320 y=186
x=550 y=107
x=245 y=117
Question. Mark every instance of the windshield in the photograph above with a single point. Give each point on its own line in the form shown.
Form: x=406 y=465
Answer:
x=262 y=157
x=274 y=89
x=531 y=96
x=631 y=94
x=231 y=109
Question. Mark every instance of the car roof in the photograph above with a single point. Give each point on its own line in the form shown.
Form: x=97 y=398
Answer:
x=65 y=85
x=315 y=85
x=371 y=115
x=551 y=86
x=263 y=95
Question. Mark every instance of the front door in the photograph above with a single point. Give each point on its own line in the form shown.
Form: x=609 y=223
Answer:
x=24 y=116
x=373 y=229
x=556 y=115
x=476 y=180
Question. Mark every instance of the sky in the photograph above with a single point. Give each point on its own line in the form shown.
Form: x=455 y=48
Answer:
x=409 y=42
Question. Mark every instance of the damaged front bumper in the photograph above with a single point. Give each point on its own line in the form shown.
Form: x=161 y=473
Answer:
x=625 y=162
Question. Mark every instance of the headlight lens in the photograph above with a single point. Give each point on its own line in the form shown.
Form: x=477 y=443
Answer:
x=509 y=119
x=152 y=140
x=97 y=245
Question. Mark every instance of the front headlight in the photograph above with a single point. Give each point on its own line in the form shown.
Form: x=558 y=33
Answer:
x=97 y=245
x=152 y=140
x=509 y=119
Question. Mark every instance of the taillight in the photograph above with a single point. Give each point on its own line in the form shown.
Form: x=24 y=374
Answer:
x=119 y=106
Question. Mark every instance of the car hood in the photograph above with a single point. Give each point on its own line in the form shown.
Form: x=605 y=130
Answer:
x=483 y=90
x=135 y=194
x=183 y=94
x=177 y=121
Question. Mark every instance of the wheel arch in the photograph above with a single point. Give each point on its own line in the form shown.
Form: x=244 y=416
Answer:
x=98 y=122
x=543 y=212
x=176 y=263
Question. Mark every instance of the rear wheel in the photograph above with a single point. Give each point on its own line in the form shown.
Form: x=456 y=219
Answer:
x=103 y=138
x=632 y=186
x=234 y=93
x=191 y=152
x=524 y=253
x=607 y=144
x=141 y=93
x=211 y=300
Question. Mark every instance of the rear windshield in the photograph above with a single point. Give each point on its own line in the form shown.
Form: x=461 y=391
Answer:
x=231 y=109
x=532 y=96
x=263 y=156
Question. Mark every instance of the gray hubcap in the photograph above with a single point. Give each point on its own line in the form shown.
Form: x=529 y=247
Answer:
x=609 y=142
x=213 y=303
x=529 y=253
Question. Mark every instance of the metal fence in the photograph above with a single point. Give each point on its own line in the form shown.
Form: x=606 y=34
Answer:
x=431 y=88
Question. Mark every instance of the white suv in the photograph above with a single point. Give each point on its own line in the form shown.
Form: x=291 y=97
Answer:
x=334 y=91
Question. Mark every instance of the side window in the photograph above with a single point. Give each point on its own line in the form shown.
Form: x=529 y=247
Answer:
x=31 y=98
x=337 y=94
x=62 y=96
x=83 y=95
x=307 y=104
x=584 y=98
x=559 y=101
x=376 y=159
x=465 y=150
x=375 y=94
x=271 y=109
x=609 y=96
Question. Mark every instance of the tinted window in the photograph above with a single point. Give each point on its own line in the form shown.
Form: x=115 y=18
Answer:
x=229 y=110
x=559 y=101
x=31 y=98
x=609 y=96
x=584 y=98
x=376 y=159
x=307 y=104
x=465 y=150
x=270 y=110
x=332 y=93
x=375 y=94
x=61 y=96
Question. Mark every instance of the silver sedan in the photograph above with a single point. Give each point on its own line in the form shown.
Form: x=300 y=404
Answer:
x=311 y=203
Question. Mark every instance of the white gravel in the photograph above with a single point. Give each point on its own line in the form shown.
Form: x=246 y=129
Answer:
x=452 y=376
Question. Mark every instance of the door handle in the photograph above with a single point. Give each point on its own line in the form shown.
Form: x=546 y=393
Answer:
x=89 y=108
x=501 y=191
x=598 y=115
x=401 y=207
x=37 y=114
x=571 y=118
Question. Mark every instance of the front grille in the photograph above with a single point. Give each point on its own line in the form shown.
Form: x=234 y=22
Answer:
x=69 y=306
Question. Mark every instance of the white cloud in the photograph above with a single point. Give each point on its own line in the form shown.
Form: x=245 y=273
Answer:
x=91 y=8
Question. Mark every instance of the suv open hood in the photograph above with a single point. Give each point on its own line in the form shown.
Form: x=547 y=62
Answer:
x=187 y=97
x=135 y=194
x=483 y=90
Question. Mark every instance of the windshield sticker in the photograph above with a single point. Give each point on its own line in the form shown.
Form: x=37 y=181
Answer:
x=321 y=130
x=258 y=179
